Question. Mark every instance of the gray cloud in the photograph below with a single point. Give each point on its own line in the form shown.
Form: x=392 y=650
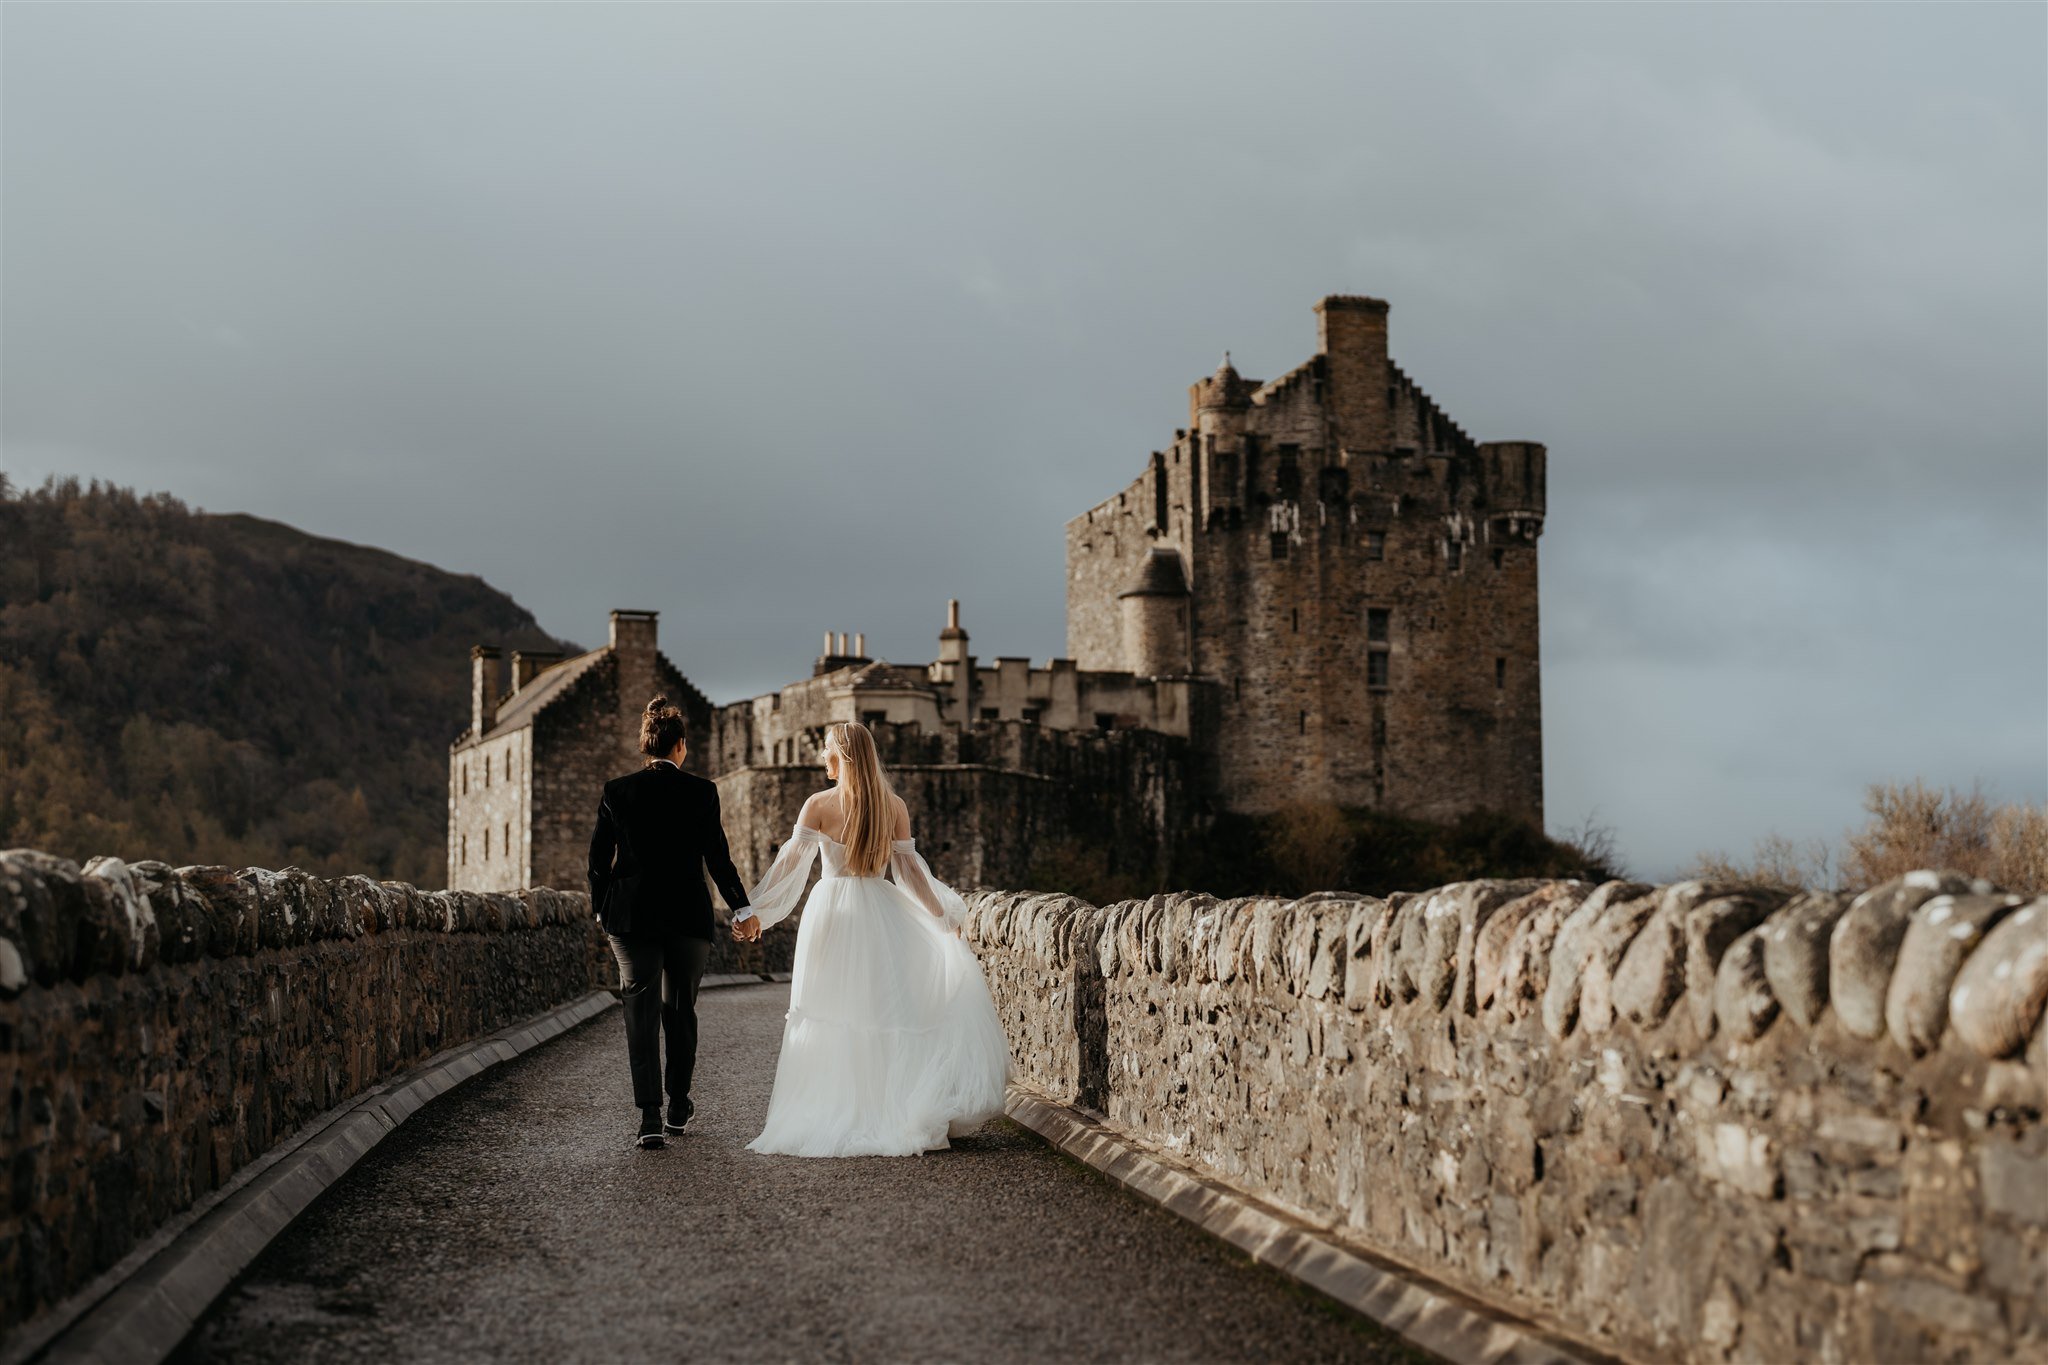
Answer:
x=778 y=319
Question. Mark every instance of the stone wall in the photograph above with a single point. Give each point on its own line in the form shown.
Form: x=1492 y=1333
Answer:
x=1687 y=1122
x=161 y=1028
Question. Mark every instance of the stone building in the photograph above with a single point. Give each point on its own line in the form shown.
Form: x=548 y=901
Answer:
x=1353 y=574
x=1322 y=589
x=523 y=779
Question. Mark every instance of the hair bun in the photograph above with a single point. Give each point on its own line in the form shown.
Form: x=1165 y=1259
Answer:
x=657 y=704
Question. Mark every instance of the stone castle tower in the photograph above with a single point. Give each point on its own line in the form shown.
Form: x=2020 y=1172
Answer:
x=1353 y=573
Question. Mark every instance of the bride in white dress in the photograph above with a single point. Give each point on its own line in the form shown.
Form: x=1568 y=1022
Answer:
x=891 y=1042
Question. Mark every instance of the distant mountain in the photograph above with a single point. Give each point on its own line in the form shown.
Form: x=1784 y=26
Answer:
x=223 y=689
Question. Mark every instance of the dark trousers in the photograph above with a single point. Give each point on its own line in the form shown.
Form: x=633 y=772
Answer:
x=658 y=975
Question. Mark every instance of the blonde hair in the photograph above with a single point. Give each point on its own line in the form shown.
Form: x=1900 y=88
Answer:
x=870 y=816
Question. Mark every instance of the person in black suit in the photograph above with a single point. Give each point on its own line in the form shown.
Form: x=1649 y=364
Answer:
x=657 y=832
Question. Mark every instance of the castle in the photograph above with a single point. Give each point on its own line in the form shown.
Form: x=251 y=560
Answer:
x=1321 y=590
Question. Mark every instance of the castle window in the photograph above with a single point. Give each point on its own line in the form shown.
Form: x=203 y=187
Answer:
x=873 y=718
x=1333 y=485
x=1297 y=620
x=1498 y=556
x=1105 y=720
x=1303 y=722
x=1032 y=714
x=465 y=851
x=1375 y=544
x=465 y=779
x=1454 y=555
x=487 y=770
x=991 y=713
x=487 y=843
x=1288 y=480
x=1500 y=673
x=1378 y=624
x=1279 y=545
x=507 y=842
x=1376 y=668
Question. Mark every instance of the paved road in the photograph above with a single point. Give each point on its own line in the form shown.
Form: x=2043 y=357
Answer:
x=513 y=1222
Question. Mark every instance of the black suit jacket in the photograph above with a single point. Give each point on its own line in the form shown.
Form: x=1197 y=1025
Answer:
x=657 y=831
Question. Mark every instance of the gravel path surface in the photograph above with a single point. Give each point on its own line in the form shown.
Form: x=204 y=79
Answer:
x=512 y=1222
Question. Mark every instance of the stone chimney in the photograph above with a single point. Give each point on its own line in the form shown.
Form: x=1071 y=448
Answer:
x=952 y=640
x=957 y=662
x=633 y=649
x=841 y=650
x=1353 y=335
x=483 y=688
x=527 y=664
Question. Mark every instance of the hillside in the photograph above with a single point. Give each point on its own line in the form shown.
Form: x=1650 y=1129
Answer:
x=225 y=689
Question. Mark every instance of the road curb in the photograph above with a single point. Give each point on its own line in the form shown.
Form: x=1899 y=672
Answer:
x=1433 y=1317
x=145 y=1306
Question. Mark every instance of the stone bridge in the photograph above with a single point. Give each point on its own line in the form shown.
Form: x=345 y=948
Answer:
x=1501 y=1120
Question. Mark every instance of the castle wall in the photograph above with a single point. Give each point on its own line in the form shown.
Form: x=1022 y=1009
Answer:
x=1683 y=1123
x=578 y=749
x=490 y=813
x=1105 y=546
x=987 y=800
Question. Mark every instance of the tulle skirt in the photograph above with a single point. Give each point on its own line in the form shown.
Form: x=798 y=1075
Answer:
x=891 y=1044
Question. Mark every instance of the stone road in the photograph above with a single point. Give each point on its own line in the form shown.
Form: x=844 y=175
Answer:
x=513 y=1222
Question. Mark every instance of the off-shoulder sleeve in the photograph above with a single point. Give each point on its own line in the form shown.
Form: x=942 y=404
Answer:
x=915 y=877
x=777 y=893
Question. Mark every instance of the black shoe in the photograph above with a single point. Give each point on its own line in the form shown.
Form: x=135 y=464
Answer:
x=650 y=1127
x=679 y=1112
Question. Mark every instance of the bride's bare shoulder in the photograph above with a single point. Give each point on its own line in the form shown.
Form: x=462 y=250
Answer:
x=817 y=807
x=902 y=816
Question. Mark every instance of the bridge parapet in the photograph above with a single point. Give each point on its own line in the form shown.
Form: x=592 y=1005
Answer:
x=161 y=1028
x=1685 y=1122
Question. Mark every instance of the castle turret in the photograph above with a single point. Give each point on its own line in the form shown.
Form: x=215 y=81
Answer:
x=1218 y=409
x=1155 y=616
x=1513 y=477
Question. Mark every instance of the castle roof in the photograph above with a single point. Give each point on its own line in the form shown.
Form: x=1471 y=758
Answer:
x=1160 y=574
x=522 y=706
x=1225 y=388
x=881 y=677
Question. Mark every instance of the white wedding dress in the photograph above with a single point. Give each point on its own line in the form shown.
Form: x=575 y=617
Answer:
x=891 y=1042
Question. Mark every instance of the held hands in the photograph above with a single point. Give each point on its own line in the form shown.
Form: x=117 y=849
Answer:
x=746 y=930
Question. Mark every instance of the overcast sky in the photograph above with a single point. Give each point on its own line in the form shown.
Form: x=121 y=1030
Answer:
x=785 y=319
